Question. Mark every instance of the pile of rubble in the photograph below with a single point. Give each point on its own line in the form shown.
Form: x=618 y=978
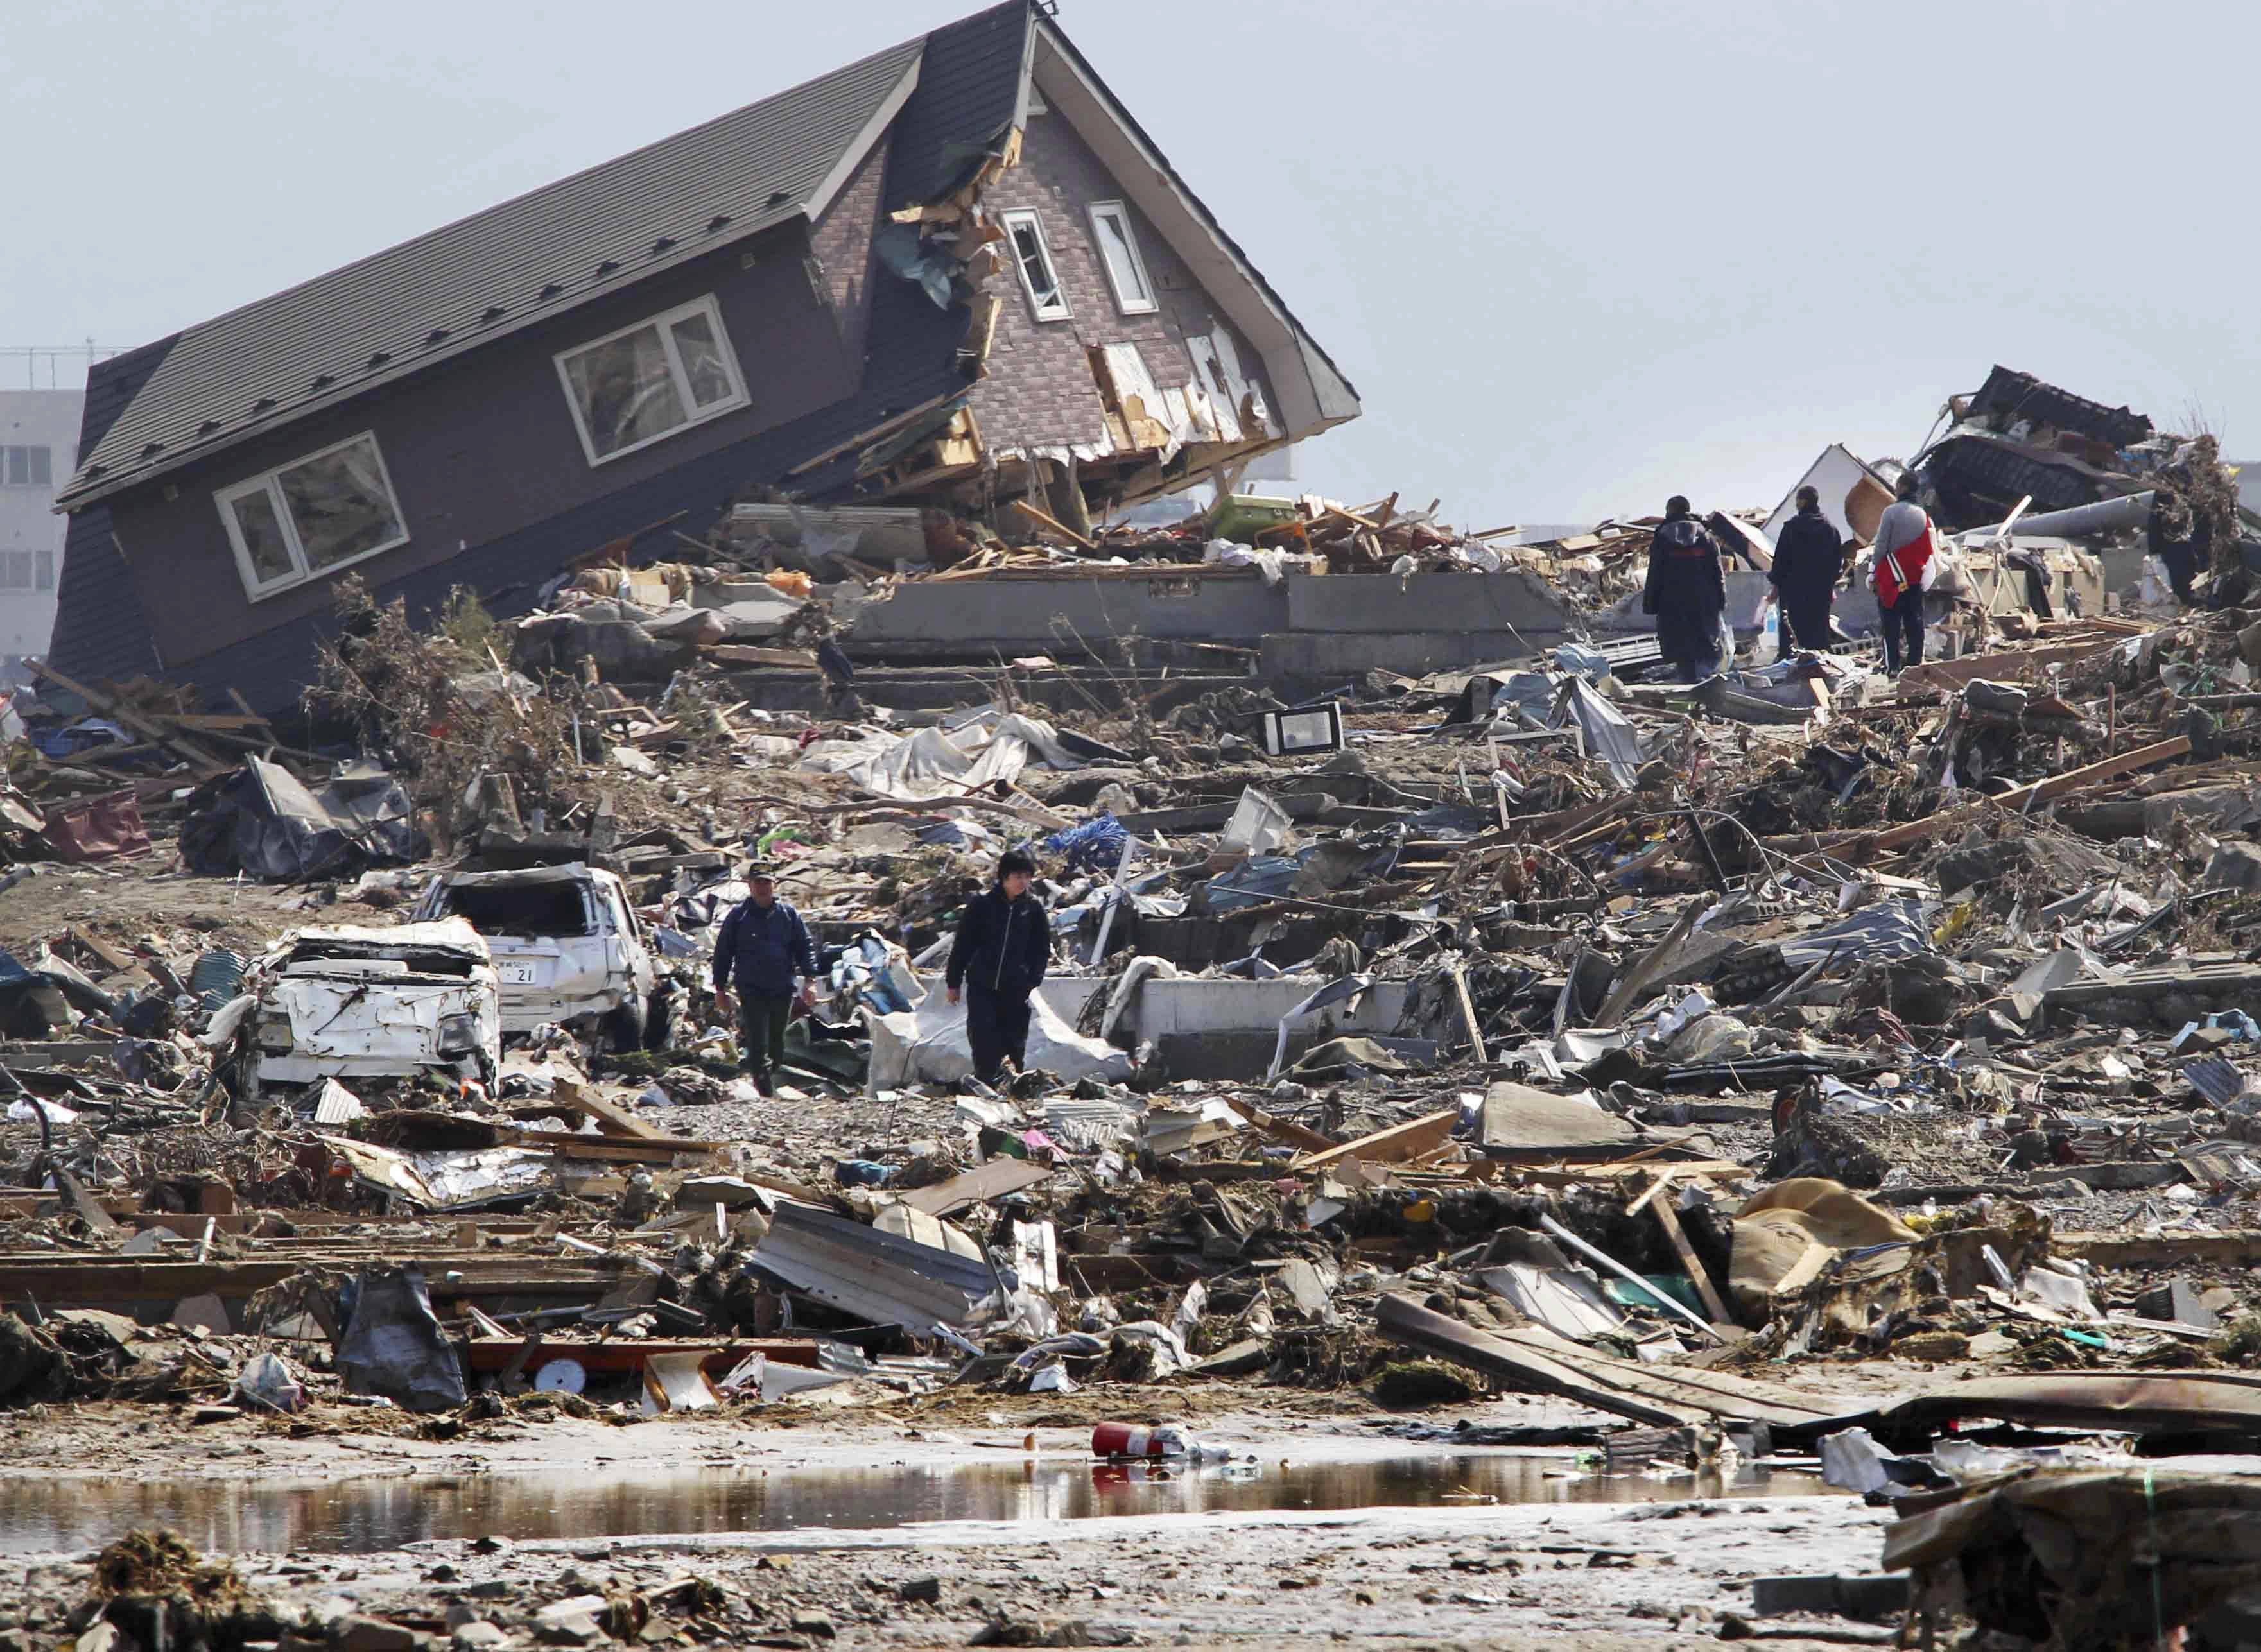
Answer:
x=1605 y=1038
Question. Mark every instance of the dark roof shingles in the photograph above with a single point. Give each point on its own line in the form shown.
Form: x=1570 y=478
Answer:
x=749 y=166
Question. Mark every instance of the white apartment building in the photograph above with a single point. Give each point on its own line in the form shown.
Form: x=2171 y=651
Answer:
x=39 y=450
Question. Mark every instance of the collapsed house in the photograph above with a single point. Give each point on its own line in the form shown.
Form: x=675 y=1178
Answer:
x=955 y=273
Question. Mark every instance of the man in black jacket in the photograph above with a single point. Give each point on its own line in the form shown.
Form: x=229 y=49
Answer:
x=1004 y=943
x=1687 y=591
x=1809 y=558
x=762 y=944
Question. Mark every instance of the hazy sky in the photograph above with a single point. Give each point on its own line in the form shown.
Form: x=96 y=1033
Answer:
x=1576 y=255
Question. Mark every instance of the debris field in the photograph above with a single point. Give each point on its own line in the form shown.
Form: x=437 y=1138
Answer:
x=1807 y=1070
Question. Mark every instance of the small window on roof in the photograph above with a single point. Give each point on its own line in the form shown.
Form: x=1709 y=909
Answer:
x=1039 y=275
x=645 y=382
x=1118 y=250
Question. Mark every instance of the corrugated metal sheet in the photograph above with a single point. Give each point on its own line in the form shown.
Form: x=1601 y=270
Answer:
x=881 y=1277
x=254 y=365
x=2217 y=1080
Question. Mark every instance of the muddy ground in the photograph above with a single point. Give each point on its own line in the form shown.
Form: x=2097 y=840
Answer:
x=1263 y=1570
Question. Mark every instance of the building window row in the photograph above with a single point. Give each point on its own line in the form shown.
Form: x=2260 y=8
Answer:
x=27 y=467
x=27 y=570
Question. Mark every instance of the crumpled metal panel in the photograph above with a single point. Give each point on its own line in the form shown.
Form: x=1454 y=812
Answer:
x=1895 y=928
x=879 y=1277
x=2217 y=1080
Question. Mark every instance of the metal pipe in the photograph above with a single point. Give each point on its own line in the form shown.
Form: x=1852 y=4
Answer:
x=1602 y=1258
x=2105 y=515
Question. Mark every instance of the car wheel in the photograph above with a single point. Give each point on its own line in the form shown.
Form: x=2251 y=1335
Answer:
x=624 y=1028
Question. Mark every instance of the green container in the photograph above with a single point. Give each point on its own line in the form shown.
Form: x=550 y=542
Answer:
x=1241 y=516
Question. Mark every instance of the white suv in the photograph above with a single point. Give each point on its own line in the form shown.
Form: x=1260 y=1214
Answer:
x=568 y=946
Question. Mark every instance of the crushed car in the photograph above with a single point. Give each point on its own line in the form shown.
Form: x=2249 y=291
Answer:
x=567 y=949
x=368 y=1003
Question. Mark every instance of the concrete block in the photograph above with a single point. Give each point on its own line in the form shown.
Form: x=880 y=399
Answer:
x=1514 y=601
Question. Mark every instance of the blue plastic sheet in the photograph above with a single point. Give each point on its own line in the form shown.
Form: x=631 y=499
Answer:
x=1096 y=846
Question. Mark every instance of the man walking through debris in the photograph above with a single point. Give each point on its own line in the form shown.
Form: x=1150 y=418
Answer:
x=763 y=942
x=1687 y=591
x=1004 y=943
x=1808 y=558
x=1905 y=542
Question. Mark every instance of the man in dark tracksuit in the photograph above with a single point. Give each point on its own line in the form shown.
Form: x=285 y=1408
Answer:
x=1687 y=591
x=762 y=944
x=1004 y=943
x=1808 y=559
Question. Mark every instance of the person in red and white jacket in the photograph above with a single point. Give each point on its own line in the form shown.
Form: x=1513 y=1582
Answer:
x=1905 y=541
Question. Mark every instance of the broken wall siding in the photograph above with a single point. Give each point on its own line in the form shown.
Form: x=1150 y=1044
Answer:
x=841 y=240
x=1041 y=388
x=99 y=629
x=483 y=448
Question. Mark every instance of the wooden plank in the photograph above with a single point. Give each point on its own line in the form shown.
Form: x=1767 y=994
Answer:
x=1394 y=1144
x=2111 y=768
x=1288 y=1131
x=227 y=723
x=2238 y=1247
x=611 y=1118
x=108 y=1281
x=1668 y=1219
x=504 y=1353
x=566 y=1145
x=2039 y=791
x=124 y=716
x=513 y=1368
x=993 y=1180
x=97 y=1220
x=1469 y=1016
x=1042 y=520
x=744 y=654
x=1955 y=674
x=1536 y=1361
x=110 y=955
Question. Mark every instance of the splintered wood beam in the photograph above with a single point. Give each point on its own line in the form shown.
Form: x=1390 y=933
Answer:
x=1392 y=1146
x=1044 y=521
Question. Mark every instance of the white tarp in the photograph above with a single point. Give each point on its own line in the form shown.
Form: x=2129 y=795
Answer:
x=928 y=1045
x=933 y=765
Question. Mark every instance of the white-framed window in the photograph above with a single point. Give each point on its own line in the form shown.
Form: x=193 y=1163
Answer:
x=26 y=467
x=43 y=564
x=1118 y=250
x=312 y=516
x=1032 y=255
x=15 y=570
x=641 y=385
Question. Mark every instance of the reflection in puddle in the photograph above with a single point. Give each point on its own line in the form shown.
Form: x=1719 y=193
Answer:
x=366 y=1516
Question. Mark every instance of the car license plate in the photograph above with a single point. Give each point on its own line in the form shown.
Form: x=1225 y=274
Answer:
x=518 y=975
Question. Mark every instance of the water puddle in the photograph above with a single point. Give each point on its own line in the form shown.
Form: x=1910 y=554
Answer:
x=371 y=1515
